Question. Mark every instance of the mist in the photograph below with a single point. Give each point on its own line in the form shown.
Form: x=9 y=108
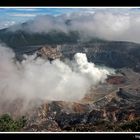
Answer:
x=36 y=80
x=121 y=26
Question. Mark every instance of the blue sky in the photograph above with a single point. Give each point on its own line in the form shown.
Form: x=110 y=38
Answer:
x=10 y=16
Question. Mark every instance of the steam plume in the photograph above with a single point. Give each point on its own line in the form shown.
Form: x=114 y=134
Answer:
x=38 y=79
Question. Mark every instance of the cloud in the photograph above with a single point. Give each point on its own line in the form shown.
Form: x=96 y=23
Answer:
x=5 y=24
x=23 y=15
x=119 y=25
x=34 y=80
x=26 y=9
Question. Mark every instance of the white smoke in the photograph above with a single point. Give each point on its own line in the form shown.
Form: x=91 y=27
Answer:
x=38 y=79
x=93 y=73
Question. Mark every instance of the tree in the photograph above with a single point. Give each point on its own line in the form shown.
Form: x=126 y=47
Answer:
x=7 y=123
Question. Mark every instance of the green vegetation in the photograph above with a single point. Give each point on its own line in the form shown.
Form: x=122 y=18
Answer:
x=22 y=38
x=7 y=123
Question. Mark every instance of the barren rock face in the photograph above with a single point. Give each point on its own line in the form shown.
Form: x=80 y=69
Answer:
x=48 y=52
x=116 y=80
x=63 y=116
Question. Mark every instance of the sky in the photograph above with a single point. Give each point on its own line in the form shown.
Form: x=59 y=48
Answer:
x=10 y=16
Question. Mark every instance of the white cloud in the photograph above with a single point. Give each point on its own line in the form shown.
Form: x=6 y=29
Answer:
x=22 y=15
x=5 y=24
x=26 y=9
x=117 y=24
